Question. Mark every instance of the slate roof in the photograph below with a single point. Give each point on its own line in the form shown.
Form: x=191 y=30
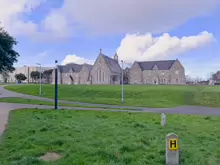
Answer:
x=113 y=64
x=216 y=76
x=88 y=66
x=162 y=65
x=66 y=68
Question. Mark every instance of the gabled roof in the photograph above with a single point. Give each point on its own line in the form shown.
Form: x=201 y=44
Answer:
x=113 y=64
x=162 y=65
x=217 y=75
x=66 y=68
x=88 y=66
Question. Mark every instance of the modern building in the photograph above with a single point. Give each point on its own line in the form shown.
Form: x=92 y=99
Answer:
x=26 y=70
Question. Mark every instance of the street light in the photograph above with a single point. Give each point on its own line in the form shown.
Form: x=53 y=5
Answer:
x=40 y=79
x=122 y=83
x=56 y=86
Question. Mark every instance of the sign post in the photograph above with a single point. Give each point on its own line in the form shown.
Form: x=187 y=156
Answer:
x=172 y=149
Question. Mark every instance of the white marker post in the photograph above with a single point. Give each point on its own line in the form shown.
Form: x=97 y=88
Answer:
x=172 y=149
x=163 y=119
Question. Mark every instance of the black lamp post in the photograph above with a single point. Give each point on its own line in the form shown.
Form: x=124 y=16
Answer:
x=56 y=86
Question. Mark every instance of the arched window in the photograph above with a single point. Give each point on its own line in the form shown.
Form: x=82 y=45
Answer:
x=170 y=79
x=103 y=79
x=100 y=74
x=97 y=75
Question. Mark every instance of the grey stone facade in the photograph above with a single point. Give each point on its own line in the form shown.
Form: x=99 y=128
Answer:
x=107 y=70
x=104 y=71
x=157 y=72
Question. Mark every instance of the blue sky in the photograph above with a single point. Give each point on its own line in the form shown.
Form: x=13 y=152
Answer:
x=75 y=30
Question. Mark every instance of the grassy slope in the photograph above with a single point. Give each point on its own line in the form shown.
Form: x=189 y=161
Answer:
x=136 y=95
x=39 y=102
x=97 y=138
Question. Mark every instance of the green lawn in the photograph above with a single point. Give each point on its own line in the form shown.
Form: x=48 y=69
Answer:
x=107 y=138
x=39 y=102
x=135 y=95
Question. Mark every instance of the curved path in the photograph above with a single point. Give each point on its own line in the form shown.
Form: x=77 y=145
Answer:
x=5 y=108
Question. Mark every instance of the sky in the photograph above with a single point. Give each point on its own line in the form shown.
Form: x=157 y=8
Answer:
x=138 y=30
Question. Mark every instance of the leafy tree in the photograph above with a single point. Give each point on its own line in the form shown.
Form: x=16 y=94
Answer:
x=8 y=56
x=35 y=75
x=20 y=77
x=5 y=77
x=47 y=74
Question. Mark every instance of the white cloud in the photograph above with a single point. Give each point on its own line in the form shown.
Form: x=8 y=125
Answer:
x=146 y=47
x=129 y=16
x=72 y=58
x=11 y=13
x=57 y=24
x=102 y=17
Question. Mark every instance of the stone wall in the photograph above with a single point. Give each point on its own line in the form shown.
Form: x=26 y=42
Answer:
x=59 y=77
x=176 y=75
x=100 y=73
x=84 y=76
x=135 y=74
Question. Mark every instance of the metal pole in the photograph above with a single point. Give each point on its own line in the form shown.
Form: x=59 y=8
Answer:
x=28 y=75
x=56 y=87
x=40 y=81
x=122 y=84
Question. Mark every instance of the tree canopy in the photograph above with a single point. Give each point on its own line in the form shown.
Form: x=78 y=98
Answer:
x=35 y=75
x=8 y=56
x=20 y=77
x=47 y=74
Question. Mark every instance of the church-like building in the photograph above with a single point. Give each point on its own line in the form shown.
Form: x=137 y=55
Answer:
x=106 y=70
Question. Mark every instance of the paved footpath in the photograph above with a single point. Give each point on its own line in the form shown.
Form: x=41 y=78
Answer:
x=5 y=108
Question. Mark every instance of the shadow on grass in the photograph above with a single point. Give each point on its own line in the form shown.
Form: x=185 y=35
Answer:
x=209 y=99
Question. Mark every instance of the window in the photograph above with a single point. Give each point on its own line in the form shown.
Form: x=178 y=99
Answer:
x=177 y=72
x=177 y=80
x=103 y=76
x=162 y=73
x=97 y=75
x=100 y=75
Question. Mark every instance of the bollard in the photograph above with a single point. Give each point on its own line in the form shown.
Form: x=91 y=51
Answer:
x=163 y=119
x=172 y=149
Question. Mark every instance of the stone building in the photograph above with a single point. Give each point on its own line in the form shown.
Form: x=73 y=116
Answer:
x=215 y=79
x=157 y=72
x=73 y=74
x=106 y=70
